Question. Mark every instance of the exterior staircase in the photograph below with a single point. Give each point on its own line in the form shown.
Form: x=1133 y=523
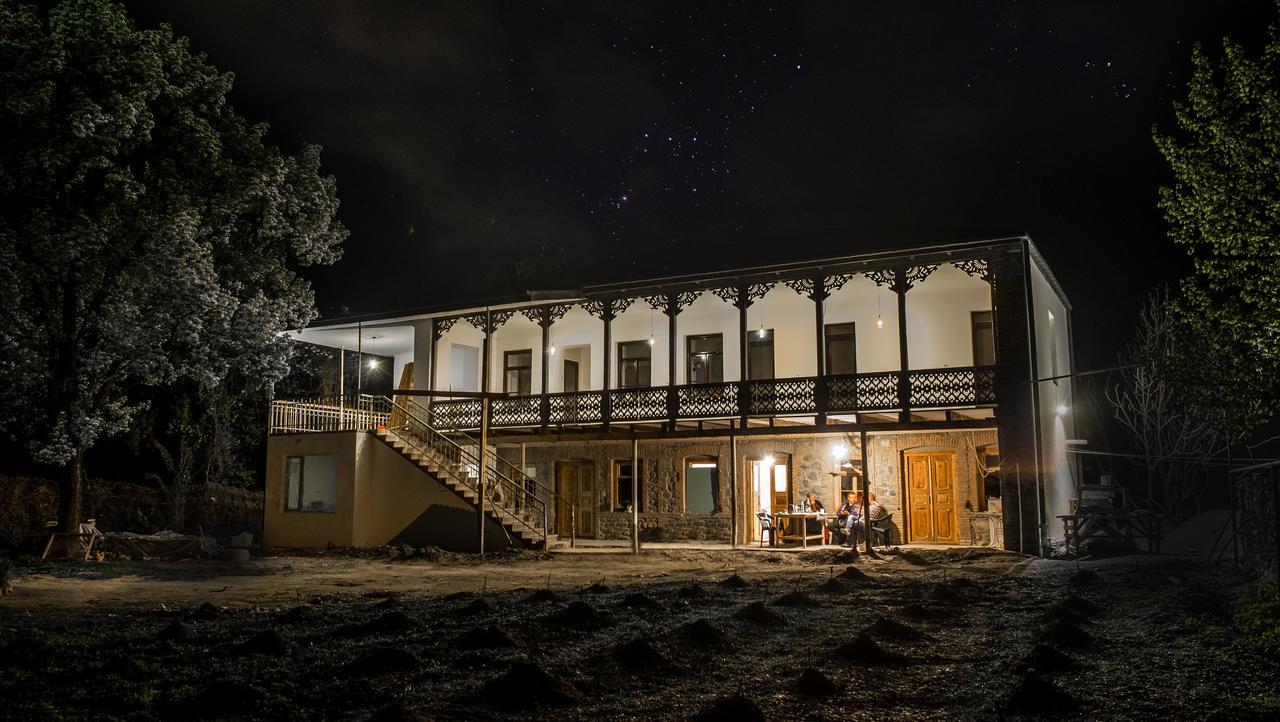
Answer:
x=513 y=504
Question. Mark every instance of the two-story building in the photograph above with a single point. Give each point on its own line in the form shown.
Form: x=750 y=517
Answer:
x=684 y=406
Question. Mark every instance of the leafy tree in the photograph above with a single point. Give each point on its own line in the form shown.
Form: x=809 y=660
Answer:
x=148 y=234
x=1224 y=209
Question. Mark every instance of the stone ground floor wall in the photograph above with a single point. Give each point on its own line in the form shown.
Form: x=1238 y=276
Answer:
x=811 y=461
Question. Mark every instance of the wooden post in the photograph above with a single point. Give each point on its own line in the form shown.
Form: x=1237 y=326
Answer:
x=744 y=390
x=904 y=376
x=866 y=490
x=733 y=490
x=606 y=408
x=673 y=396
x=635 y=495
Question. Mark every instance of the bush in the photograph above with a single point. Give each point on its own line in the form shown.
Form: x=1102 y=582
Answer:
x=1259 y=621
x=27 y=503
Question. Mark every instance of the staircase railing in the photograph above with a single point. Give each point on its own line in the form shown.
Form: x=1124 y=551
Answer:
x=528 y=502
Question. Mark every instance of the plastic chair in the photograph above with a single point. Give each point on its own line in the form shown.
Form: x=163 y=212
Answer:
x=882 y=526
x=767 y=525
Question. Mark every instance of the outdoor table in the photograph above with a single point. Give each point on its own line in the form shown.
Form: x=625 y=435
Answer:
x=800 y=517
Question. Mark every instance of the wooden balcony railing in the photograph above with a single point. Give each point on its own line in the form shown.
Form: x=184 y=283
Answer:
x=802 y=396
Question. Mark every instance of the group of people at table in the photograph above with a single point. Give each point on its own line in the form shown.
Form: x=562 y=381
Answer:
x=847 y=524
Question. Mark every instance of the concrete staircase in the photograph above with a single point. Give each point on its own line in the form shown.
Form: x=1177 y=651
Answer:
x=526 y=526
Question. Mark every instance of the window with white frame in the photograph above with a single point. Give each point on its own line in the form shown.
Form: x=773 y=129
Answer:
x=311 y=483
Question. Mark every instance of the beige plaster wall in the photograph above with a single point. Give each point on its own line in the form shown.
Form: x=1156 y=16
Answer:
x=282 y=528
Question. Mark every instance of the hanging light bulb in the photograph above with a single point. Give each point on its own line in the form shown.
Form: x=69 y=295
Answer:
x=879 y=321
x=762 y=332
x=879 y=318
x=373 y=364
x=652 y=340
x=552 y=350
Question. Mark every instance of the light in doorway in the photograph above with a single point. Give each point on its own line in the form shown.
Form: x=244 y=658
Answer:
x=767 y=461
x=702 y=465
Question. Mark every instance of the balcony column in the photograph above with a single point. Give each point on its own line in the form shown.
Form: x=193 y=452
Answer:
x=743 y=301
x=900 y=286
x=606 y=410
x=544 y=402
x=673 y=400
x=819 y=295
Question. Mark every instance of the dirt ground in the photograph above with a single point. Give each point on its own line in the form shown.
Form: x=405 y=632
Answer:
x=671 y=634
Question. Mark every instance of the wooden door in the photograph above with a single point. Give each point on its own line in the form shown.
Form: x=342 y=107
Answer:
x=575 y=480
x=931 y=497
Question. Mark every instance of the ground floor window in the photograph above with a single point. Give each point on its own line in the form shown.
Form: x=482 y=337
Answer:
x=311 y=483
x=622 y=484
x=701 y=481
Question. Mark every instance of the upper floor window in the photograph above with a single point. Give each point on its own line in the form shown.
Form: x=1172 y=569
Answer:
x=706 y=359
x=633 y=364
x=517 y=372
x=842 y=350
x=984 y=338
x=760 y=354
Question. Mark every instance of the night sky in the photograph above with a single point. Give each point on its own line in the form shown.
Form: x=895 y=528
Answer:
x=485 y=149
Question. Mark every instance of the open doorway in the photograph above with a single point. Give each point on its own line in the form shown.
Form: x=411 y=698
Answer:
x=766 y=486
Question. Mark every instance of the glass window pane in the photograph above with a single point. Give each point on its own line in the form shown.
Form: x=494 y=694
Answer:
x=320 y=483
x=700 y=480
x=293 y=481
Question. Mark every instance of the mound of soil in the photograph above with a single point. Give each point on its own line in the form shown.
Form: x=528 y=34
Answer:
x=177 y=630
x=640 y=600
x=389 y=623
x=485 y=638
x=864 y=650
x=943 y=594
x=1081 y=605
x=455 y=596
x=913 y=559
x=387 y=603
x=1043 y=659
x=638 y=656
x=525 y=684
x=832 y=586
x=269 y=642
x=692 y=591
x=203 y=613
x=596 y=588
x=795 y=598
x=854 y=574
x=813 y=683
x=757 y=613
x=542 y=595
x=702 y=633
x=297 y=614
x=475 y=606
x=732 y=709
x=1064 y=633
x=1035 y=695
x=831 y=557
x=578 y=615
x=886 y=628
x=735 y=582
x=398 y=712
x=381 y=661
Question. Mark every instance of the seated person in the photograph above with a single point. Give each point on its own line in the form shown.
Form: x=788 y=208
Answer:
x=814 y=526
x=849 y=518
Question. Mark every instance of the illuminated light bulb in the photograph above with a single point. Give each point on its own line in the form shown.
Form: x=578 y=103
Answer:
x=768 y=461
x=652 y=340
x=879 y=322
x=762 y=332
x=552 y=350
x=373 y=363
x=1062 y=409
x=839 y=450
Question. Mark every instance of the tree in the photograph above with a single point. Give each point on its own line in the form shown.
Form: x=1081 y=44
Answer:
x=148 y=233
x=1224 y=209
x=1173 y=422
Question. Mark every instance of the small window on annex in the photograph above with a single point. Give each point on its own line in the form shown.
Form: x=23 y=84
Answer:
x=622 y=484
x=701 y=482
x=311 y=483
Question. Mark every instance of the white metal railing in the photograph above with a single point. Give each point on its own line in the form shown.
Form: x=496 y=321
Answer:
x=328 y=414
